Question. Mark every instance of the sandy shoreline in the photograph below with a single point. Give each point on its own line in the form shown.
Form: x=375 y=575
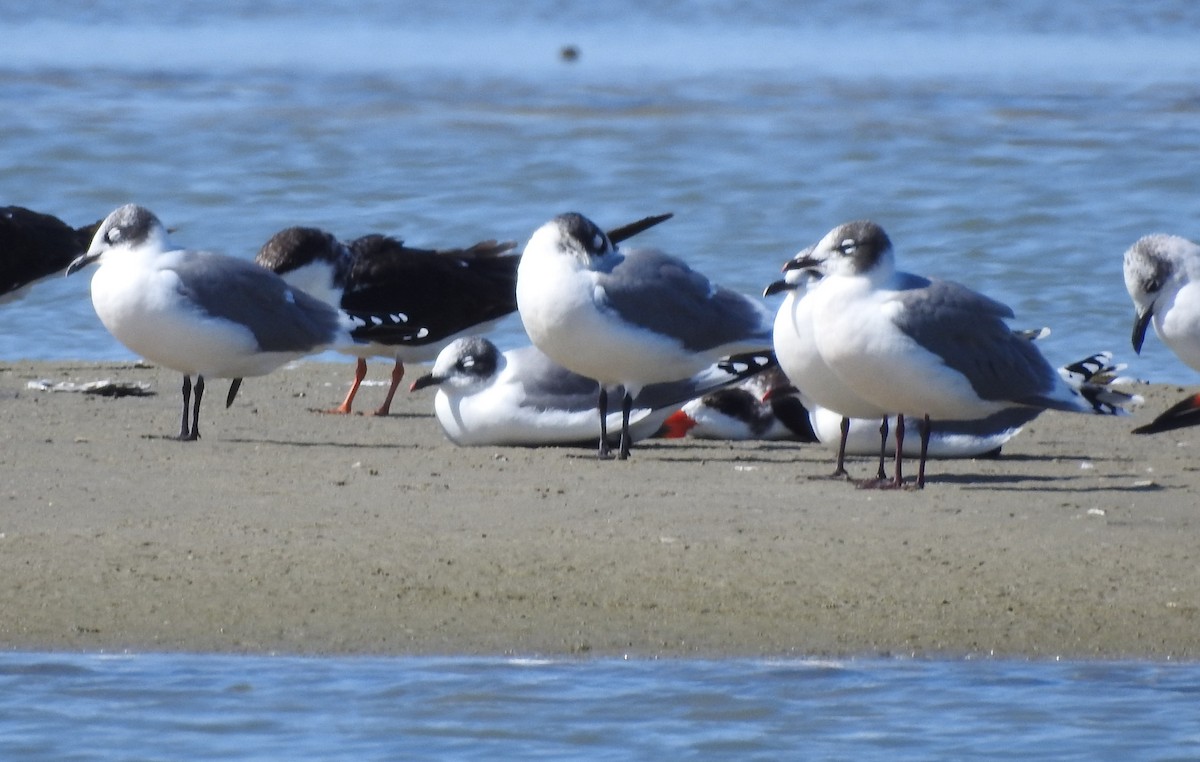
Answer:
x=287 y=531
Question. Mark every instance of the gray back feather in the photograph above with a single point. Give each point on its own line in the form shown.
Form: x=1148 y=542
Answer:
x=245 y=293
x=548 y=385
x=967 y=330
x=661 y=293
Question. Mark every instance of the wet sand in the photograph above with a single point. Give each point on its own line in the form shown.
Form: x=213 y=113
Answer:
x=284 y=530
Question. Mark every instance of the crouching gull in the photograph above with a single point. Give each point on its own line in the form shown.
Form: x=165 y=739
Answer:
x=521 y=397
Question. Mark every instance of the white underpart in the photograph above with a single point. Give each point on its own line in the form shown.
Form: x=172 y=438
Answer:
x=796 y=350
x=138 y=300
x=476 y=411
x=560 y=303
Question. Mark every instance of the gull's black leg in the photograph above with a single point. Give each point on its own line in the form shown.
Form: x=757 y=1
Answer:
x=626 y=437
x=234 y=385
x=925 y=429
x=184 y=430
x=899 y=476
x=883 y=432
x=839 y=470
x=196 y=408
x=605 y=452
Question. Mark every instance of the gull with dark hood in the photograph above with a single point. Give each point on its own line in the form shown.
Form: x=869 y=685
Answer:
x=200 y=313
x=628 y=318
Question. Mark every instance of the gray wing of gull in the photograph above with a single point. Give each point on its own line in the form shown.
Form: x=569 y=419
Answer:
x=550 y=386
x=655 y=291
x=967 y=330
x=282 y=318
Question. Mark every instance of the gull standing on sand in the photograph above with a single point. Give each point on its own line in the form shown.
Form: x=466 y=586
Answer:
x=200 y=313
x=925 y=348
x=819 y=386
x=822 y=391
x=449 y=293
x=523 y=398
x=627 y=318
x=1162 y=276
x=35 y=246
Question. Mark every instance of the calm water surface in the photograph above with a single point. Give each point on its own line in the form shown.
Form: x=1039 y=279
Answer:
x=88 y=707
x=1017 y=147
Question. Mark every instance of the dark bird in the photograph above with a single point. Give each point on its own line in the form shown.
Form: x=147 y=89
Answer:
x=34 y=246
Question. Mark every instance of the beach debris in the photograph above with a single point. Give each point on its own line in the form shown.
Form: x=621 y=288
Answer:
x=104 y=387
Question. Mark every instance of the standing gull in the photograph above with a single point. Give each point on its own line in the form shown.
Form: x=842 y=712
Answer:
x=865 y=428
x=926 y=348
x=627 y=318
x=817 y=383
x=34 y=246
x=1162 y=275
x=200 y=313
x=521 y=397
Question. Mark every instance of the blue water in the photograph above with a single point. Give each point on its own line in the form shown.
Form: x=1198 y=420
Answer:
x=88 y=707
x=1019 y=147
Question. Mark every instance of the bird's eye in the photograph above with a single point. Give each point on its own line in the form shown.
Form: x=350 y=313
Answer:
x=1152 y=285
x=598 y=241
x=848 y=246
x=113 y=235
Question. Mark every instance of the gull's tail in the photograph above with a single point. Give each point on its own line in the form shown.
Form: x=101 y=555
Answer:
x=1092 y=377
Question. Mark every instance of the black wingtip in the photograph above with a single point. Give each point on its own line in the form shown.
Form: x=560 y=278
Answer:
x=1181 y=415
x=625 y=232
x=747 y=364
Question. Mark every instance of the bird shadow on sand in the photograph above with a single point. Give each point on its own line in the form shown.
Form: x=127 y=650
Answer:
x=718 y=451
x=302 y=443
x=324 y=411
x=1023 y=482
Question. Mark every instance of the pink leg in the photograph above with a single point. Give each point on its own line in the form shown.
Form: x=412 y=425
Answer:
x=360 y=372
x=397 y=374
